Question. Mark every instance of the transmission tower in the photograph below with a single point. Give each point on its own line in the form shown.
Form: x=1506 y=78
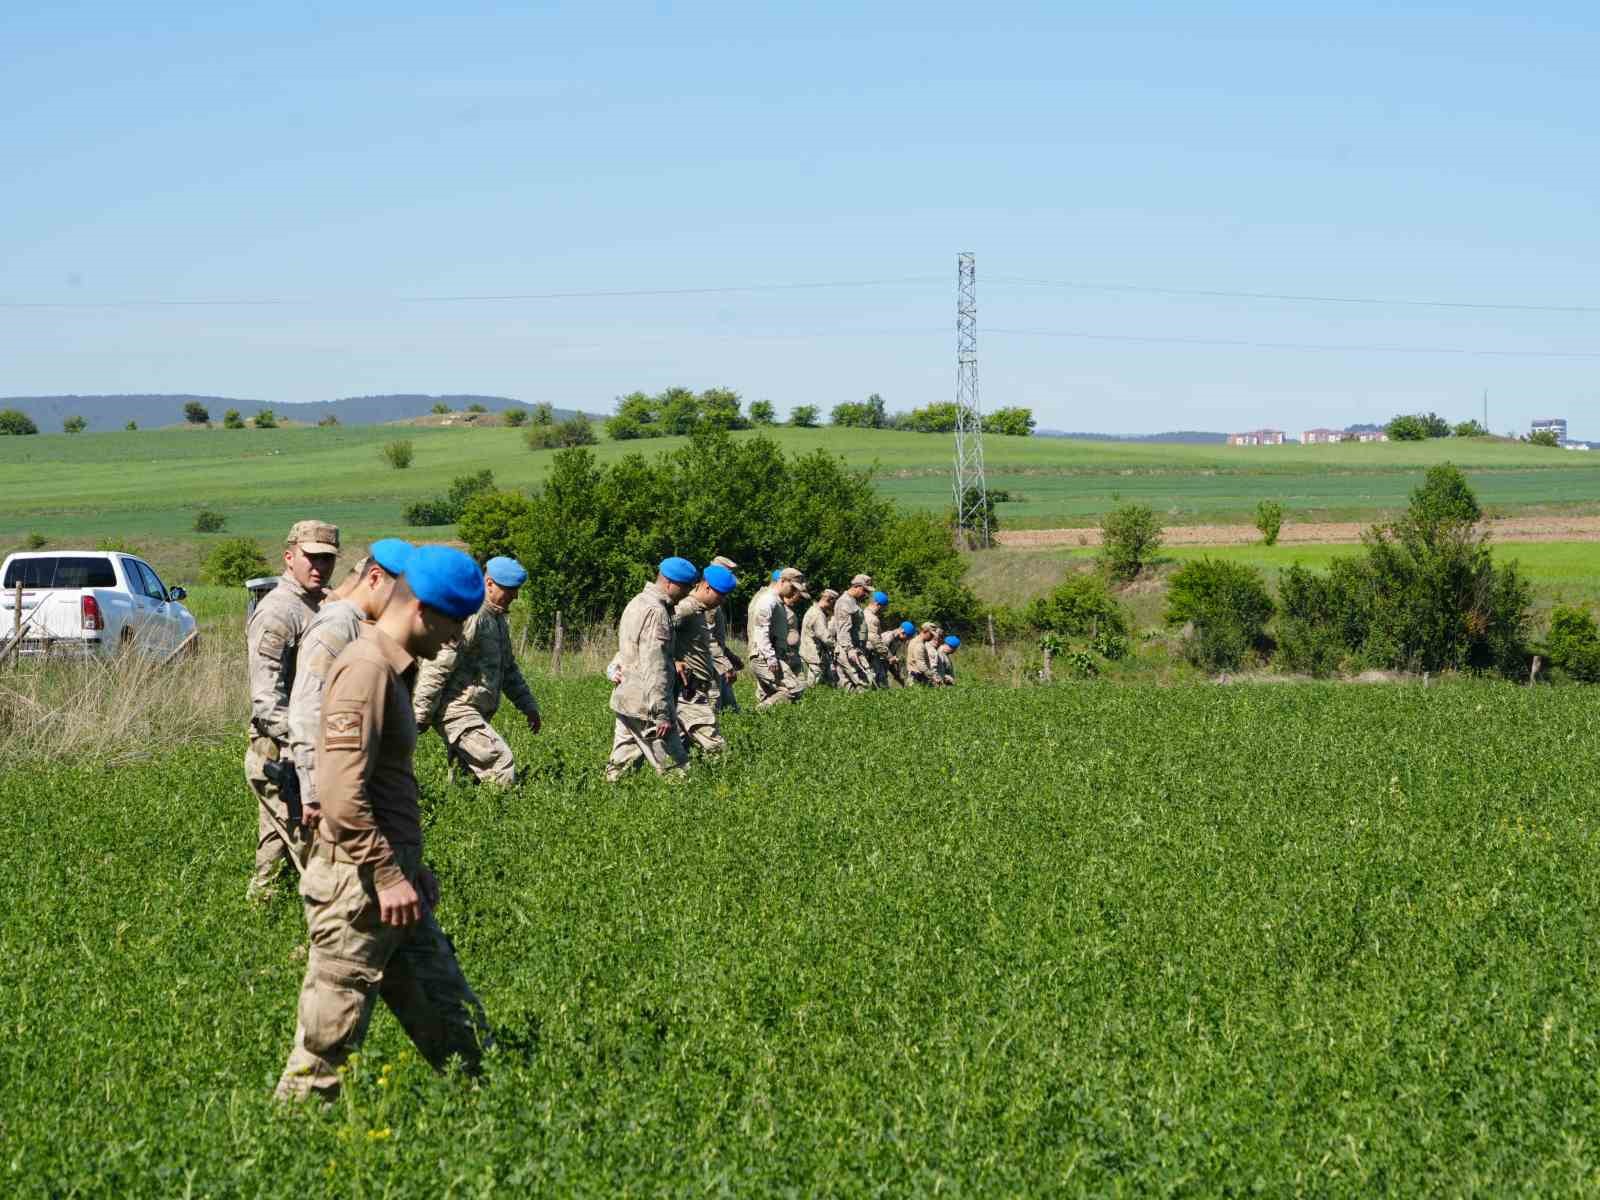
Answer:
x=972 y=490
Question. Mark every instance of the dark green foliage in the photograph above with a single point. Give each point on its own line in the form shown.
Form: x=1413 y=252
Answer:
x=1322 y=618
x=235 y=560
x=976 y=510
x=209 y=521
x=195 y=413
x=762 y=413
x=1406 y=428
x=677 y=411
x=1080 y=606
x=132 y=427
x=1130 y=536
x=1227 y=607
x=435 y=510
x=36 y=541
x=939 y=417
x=398 y=454
x=1009 y=422
x=477 y=408
x=16 y=424
x=1469 y=429
x=446 y=509
x=266 y=419
x=515 y=417
x=576 y=430
x=232 y=420
x=440 y=409
x=74 y=425
x=544 y=413
x=1573 y=644
x=488 y=522
x=1544 y=437
x=1269 y=520
x=803 y=416
x=869 y=414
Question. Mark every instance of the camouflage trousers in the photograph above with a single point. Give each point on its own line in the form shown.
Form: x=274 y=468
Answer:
x=476 y=743
x=355 y=959
x=774 y=687
x=851 y=677
x=634 y=741
x=818 y=673
x=270 y=848
x=697 y=722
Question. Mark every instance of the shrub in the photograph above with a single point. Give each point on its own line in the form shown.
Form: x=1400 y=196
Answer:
x=1130 y=537
x=233 y=561
x=488 y=522
x=574 y=431
x=762 y=413
x=398 y=454
x=119 y=545
x=1573 y=644
x=1080 y=606
x=1009 y=422
x=1544 y=437
x=266 y=419
x=803 y=416
x=443 y=510
x=1406 y=429
x=132 y=426
x=1321 y=618
x=434 y=511
x=74 y=425
x=232 y=420
x=36 y=541
x=328 y=422
x=544 y=413
x=1269 y=520
x=440 y=409
x=1228 y=607
x=1469 y=429
x=869 y=414
x=515 y=417
x=195 y=413
x=939 y=417
x=477 y=408
x=208 y=521
x=16 y=423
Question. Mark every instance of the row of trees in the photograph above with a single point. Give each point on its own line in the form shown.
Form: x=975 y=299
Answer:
x=680 y=411
x=1419 y=427
x=939 y=417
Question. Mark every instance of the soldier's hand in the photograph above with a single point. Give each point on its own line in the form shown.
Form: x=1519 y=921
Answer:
x=310 y=814
x=428 y=885
x=534 y=723
x=663 y=728
x=399 y=905
x=683 y=675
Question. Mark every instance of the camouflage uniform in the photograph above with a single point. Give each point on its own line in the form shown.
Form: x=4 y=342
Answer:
x=369 y=839
x=776 y=681
x=875 y=645
x=336 y=625
x=944 y=665
x=849 y=651
x=918 y=668
x=458 y=693
x=816 y=646
x=697 y=692
x=645 y=696
x=272 y=641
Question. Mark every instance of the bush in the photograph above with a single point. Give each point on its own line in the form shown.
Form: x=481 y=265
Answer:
x=1080 y=606
x=15 y=423
x=515 y=417
x=440 y=409
x=1228 y=607
x=762 y=413
x=544 y=413
x=477 y=408
x=1544 y=437
x=803 y=416
x=1573 y=644
x=574 y=431
x=488 y=522
x=1406 y=429
x=132 y=427
x=36 y=541
x=1009 y=422
x=266 y=419
x=74 y=425
x=1469 y=429
x=207 y=521
x=869 y=414
x=232 y=420
x=1130 y=536
x=446 y=509
x=939 y=417
x=1269 y=520
x=119 y=545
x=398 y=454
x=1321 y=618
x=196 y=414
x=328 y=422
x=435 y=511
x=233 y=561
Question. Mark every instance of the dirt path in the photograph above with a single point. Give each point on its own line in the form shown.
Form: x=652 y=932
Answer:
x=1506 y=529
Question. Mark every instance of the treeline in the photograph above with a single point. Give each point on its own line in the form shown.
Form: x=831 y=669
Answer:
x=679 y=412
x=592 y=534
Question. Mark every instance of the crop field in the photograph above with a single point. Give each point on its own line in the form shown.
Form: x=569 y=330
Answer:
x=1093 y=939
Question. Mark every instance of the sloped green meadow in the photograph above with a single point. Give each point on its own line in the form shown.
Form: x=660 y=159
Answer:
x=1109 y=940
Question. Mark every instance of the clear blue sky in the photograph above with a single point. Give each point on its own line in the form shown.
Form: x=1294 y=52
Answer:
x=344 y=157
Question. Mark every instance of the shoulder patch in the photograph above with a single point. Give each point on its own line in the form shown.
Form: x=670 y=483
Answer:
x=341 y=729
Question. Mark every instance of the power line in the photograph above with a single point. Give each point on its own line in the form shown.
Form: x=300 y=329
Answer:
x=1320 y=346
x=1217 y=293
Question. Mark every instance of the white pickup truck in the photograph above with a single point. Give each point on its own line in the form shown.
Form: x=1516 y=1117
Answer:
x=88 y=603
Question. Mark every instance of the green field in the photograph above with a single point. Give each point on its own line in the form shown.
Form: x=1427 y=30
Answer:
x=148 y=485
x=1094 y=940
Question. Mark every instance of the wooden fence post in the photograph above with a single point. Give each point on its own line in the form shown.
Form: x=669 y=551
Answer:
x=555 y=649
x=1533 y=675
x=1045 y=674
x=991 y=634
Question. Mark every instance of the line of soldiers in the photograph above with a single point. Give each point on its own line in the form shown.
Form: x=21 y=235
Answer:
x=673 y=671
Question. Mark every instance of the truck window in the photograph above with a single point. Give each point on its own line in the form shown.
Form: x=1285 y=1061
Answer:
x=142 y=578
x=60 y=571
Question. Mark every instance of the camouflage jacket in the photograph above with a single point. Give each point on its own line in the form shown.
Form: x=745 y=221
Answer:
x=769 y=626
x=644 y=656
x=465 y=679
x=816 y=639
x=691 y=645
x=917 y=664
x=272 y=640
x=846 y=624
x=336 y=625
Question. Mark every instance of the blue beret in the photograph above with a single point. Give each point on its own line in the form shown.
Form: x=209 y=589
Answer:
x=880 y=597
x=679 y=570
x=507 y=572
x=392 y=554
x=777 y=574
x=953 y=642
x=720 y=578
x=446 y=579
x=907 y=628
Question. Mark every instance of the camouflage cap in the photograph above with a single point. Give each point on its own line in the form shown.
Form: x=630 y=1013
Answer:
x=828 y=594
x=928 y=627
x=314 y=537
x=793 y=575
x=723 y=561
x=861 y=581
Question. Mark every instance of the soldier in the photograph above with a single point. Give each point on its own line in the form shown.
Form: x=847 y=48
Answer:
x=875 y=640
x=947 y=670
x=646 y=684
x=728 y=663
x=458 y=693
x=772 y=657
x=369 y=900
x=919 y=667
x=849 y=651
x=272 y=639
x=334 y=627
x=697 y=671
x=904 y=633
x=816 y=640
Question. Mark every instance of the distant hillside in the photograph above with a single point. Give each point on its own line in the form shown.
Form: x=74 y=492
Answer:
x=1187 y=437
x=153 y=411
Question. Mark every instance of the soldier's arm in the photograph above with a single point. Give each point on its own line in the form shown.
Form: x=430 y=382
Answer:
x=433 y=674
x=270 y=648
x=655 y=663
x=716 y=626
x=761 y=633
x=311 y=669
x=347 y=756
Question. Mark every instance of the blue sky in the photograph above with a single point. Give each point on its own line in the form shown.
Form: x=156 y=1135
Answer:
x=346 y=160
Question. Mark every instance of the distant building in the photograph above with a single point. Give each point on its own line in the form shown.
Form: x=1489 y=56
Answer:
x=1257 y=437
x=1321 y=437
x=1371 y=435
x=1555 y=425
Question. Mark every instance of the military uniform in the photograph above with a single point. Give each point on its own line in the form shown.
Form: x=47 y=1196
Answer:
x=776 y=681
x=647 y=691
x=849 y=651
x=272 y=641
x=945 y=666
x=336 y=625
x=698 y=692
x=370 y=838
x=875 y=645
x=458 y=693
x=816 y=646
x=918 y=668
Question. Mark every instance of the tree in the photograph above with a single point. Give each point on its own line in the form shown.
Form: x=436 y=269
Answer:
x=803 y=416
x=266 y=419
x=74 y=425
x=574 y=431
x=1405 y=428
x=1226 y=606
x=875 y=410
x=232 y=420
x=234 y=561
x=762 y=413
x=1544 y=437
x=488 y=522
x=515 y=416
x=195 y=413
x=719 y=409
x=1009 y=422
x=1469 y=429
x=851 y=416
x=476 y=407
x=1130 y=536
x=544 y=413
x=440 y=409
x=1269 y=520
x=635 y=417
x=939 y=417
x=209 y=521
x=15 y=423
x=679 y=410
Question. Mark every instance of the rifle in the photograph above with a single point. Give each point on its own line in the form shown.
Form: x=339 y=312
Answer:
x=278 y=826
x=281 y=772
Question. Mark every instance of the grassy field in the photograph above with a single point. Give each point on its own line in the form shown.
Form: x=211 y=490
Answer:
x=1092 y=940
x=147 y=486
